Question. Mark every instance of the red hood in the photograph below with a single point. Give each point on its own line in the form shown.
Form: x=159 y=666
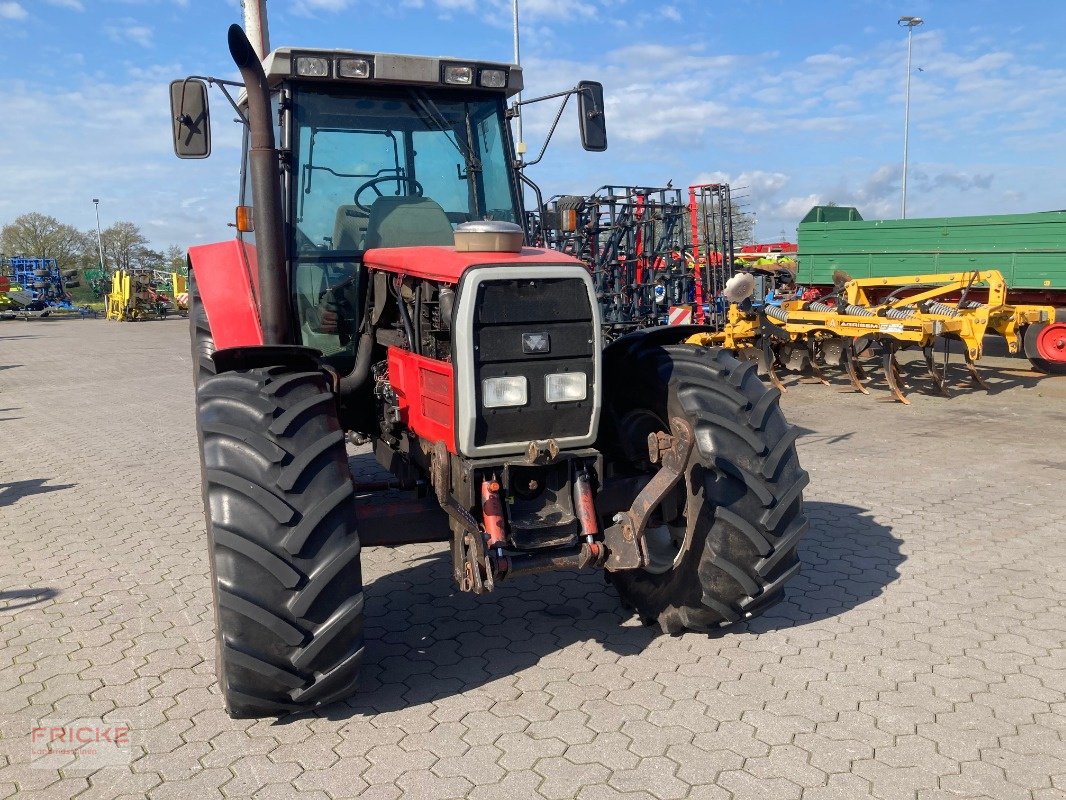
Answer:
x=445 y=264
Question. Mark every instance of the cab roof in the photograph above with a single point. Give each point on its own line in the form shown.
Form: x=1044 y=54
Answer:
x=389 y=69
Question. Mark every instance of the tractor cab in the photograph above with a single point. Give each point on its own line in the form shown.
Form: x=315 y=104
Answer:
x=376 y=151
x=382 y=151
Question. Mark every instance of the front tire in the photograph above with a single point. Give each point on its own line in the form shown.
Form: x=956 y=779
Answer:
x=726 y=542
x=203 y=343
x=285 y=556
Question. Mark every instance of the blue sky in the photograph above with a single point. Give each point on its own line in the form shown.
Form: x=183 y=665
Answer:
x=800 y=102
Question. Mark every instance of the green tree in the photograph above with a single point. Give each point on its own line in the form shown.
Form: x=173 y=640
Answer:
x=40 y=236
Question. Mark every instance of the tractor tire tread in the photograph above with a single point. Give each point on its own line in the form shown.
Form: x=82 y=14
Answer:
x=291 y=474
x=285 y=553
x=281 y=569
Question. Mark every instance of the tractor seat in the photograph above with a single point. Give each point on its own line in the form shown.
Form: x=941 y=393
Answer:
x=349 y=228
x=407 y=222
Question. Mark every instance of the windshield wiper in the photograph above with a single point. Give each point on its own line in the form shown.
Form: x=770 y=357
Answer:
x=432 y=114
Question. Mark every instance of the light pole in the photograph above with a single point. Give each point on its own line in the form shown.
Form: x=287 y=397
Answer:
x=99 y=237
x=520 y=145
x=910 y=23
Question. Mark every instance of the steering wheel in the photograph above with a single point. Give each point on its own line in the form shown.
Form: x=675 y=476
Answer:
x=414 y=188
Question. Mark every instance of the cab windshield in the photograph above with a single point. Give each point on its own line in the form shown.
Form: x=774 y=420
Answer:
x=394 y=167
x=388 y=167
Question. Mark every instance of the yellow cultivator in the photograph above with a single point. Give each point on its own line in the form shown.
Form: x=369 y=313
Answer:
x=892 y=314
x=146 y=294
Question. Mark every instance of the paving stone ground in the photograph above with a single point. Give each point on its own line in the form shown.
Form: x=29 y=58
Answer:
x=919 y=654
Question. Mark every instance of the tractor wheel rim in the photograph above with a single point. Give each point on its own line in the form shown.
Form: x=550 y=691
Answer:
x=665 y=545
x=1051 y=343
x=666 y=542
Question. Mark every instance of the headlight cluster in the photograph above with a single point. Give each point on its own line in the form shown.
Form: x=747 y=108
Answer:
x=512 y=391
x=347 y=67
x=464 y=74
x=362 y=68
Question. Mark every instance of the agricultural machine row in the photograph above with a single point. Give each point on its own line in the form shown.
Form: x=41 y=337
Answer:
x=1026 y=251
x=36 y=287
x=654 y=257
x=380 y=290
x=918 y=311
x=655 y=260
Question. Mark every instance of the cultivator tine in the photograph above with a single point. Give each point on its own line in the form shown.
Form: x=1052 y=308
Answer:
x=854 y=370
x=775 y=381
x=815 y=369
x=768 y=364
x=974 y=374
x=892 y=374
x=936 y=375
x=854 y=357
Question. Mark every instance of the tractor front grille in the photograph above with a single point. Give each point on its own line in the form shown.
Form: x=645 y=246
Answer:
x=511 y=318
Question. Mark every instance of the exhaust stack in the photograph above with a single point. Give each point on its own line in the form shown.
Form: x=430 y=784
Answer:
x=266 y=193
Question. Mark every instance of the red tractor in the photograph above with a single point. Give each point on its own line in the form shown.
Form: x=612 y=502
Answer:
x=378 y=289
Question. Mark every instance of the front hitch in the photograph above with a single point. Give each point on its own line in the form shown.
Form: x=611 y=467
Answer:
x=479 y=558
x=625 y=539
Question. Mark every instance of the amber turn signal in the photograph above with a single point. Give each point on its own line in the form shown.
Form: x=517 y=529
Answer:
x=245 y=223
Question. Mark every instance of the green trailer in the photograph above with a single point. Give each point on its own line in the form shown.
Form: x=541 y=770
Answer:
x=1028 y=249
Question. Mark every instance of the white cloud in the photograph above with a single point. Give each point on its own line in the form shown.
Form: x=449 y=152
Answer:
x=795 y=207
x=493 y=12
x=796 y=128
x=129 y=30
x=73 y=5
x=554 y=9
x=309 y=7
x=12 y=10
x=118 y=149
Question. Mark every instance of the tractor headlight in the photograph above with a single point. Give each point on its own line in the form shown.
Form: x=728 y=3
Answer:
x=504 y=392
x=459 y=74
x=353 y=68
x=565 y=387
x=312 y=67
x=493 y=78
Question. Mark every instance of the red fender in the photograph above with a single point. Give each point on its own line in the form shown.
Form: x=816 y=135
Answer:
x=227 y=280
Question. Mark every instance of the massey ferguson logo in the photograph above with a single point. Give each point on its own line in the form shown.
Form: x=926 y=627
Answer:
x=536 y=343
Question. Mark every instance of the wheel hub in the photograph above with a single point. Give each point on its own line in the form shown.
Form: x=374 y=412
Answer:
x=1051 y=343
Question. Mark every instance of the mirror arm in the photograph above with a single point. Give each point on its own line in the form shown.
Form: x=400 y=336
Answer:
x=565 y=92
x=551 y=131
x=222 y=84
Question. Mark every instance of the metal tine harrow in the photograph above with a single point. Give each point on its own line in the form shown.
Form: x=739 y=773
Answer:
x=888 y=313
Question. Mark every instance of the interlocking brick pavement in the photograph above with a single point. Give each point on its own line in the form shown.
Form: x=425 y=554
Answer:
x=919 y=654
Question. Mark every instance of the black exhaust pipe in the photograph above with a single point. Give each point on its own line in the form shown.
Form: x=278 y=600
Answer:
x=265 y=176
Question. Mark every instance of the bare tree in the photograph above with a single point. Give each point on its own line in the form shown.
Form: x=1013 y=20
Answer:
x=125 y=247
x=174 y=257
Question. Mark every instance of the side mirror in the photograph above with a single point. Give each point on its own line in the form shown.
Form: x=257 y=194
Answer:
x=190 y=119
x=590 y=111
